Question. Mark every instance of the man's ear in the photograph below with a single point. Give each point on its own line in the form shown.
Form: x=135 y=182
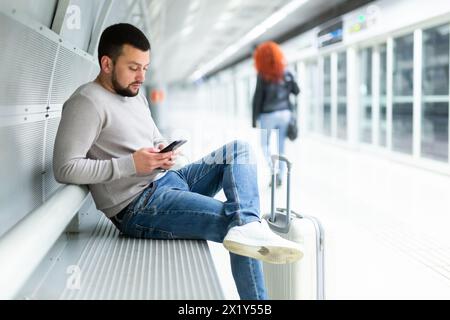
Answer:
x=107 y=64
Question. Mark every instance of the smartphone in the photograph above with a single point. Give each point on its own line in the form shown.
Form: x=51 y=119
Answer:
x=173 y=146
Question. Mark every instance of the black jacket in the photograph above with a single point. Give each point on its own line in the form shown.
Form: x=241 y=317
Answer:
x=273 y=96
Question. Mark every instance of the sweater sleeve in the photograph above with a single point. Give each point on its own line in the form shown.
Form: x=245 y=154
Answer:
x=258 y=100
x=78 y=130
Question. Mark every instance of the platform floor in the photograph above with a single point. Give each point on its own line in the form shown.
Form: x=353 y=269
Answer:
x=386 y=222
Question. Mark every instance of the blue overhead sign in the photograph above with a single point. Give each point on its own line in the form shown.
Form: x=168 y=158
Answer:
x=330 y=35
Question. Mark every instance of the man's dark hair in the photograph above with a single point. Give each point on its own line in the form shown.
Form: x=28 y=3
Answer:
x=116 y=36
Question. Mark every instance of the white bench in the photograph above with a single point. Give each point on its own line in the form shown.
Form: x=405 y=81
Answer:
x=41 y=259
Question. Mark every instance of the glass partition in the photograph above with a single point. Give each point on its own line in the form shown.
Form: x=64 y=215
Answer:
x=383 y=110
x=342 y=96
x=365 y=91
x=402 y=102
x=435 y=90
x=311 y=93
x=327 y=96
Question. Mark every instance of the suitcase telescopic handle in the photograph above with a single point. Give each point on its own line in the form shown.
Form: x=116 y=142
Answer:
x=281 y=158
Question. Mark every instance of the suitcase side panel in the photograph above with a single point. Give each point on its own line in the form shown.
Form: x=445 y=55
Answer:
x=295 y=280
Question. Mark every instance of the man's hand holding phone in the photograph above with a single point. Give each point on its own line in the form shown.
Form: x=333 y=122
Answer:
x=146 y=160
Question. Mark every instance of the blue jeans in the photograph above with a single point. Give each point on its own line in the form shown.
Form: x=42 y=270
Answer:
x=180 y=205
x=274 y=120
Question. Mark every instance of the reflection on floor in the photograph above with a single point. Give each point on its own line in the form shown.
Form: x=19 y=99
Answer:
x=386 y=223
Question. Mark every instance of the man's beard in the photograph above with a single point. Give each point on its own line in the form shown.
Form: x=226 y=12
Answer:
x=124 y=92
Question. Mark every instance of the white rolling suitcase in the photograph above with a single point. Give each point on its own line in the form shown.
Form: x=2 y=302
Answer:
x=304 y=279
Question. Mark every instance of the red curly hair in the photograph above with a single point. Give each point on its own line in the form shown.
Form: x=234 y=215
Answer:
x=269 y=61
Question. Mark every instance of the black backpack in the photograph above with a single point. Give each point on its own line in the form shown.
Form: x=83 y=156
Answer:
x=292 y=87
x=292 y=131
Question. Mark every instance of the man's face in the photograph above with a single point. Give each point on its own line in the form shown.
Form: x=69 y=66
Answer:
x=128 y=73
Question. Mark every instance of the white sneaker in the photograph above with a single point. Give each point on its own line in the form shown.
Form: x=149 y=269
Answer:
x=257 y=240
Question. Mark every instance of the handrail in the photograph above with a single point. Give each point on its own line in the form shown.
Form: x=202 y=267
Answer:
x=24 y=246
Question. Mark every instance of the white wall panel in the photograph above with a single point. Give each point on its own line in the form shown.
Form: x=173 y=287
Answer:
x=26 y=64
x=37 y=68
x=41 y=11
x=50 y=184
x=80 y=21
x=118 y=13
x=20 y=171
x=72 y=70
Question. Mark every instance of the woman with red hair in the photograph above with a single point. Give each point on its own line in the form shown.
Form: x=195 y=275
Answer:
x=271 y=104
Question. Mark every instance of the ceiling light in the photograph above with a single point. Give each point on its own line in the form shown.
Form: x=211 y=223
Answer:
x=194 y=5
x=189 y=18
x=226 y=16
x=219 y=25
x=235 y=3
x=186 y=31
x=249 y=37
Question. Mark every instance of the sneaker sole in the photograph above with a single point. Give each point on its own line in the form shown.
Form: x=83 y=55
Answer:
x=269 y=254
